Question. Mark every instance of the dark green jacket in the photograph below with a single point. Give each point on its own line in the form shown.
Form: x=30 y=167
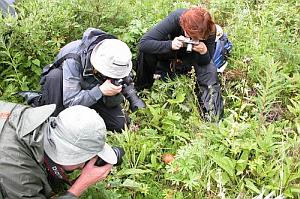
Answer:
x=22 y=174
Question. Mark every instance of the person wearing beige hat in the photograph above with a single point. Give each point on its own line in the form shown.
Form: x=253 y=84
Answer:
x=37 y=150
x=93 y=72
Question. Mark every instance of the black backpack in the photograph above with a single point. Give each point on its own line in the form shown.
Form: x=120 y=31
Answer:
x=46 y=95
x=54 y=71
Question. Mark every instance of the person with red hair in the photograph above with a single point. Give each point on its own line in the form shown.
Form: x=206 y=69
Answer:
x=185 y=38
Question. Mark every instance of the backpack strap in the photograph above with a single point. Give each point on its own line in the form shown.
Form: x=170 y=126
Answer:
x=58 y=62
x=222 y=43
x=77 y=57
x=99 y=39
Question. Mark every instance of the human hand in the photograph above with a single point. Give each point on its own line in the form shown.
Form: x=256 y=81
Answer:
x=177 y=43
x=109 y=89
x=200 y=48
x=90 y=175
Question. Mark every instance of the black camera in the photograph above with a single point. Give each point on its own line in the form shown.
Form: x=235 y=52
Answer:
x=119 y=153
x=129 y=92
x=188 y=43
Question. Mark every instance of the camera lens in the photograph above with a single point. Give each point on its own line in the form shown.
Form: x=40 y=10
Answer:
x=100 y=162
x=117 y=82
x=135 y=101
x=129 y=92
x=119 y=151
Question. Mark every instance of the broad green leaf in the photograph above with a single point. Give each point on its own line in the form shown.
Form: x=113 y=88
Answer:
x=36 y=62
x=250 y=185
x=242 y=162
x=133 y=172
x=131 y=184
x=224 y=162
x=37 y=70
x=179 y=99
x=143 y=153
x=295 y=189
x=181 y=134
x=153 y=160
x=288 y=192
x=223 y=176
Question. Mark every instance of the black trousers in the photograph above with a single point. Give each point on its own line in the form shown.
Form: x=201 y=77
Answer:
x=52 y=93
x=114 y=117
x=208 y=87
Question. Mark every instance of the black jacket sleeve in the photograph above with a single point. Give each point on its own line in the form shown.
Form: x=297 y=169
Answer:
x=158 y=40
x=208 y=56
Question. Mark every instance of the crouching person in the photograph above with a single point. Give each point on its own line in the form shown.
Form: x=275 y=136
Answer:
x=37 y=150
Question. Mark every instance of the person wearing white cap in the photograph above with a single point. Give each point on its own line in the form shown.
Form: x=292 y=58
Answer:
x=36 y=150
x=83 y=74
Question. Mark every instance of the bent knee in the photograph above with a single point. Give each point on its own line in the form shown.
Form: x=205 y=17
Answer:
x=117 y=125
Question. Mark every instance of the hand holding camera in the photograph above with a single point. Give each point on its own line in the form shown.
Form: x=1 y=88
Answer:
x=200 y=48
x=129 y=92
x=177 y=43
x=90 y=175
x=110 y=89
x=188 y=43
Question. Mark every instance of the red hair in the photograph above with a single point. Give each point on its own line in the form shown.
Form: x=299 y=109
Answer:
x=197 y=22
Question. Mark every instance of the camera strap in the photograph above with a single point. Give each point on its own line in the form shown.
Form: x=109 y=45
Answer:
x=56 y=171
x=175 y=64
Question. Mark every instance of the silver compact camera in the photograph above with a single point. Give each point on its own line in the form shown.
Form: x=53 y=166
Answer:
x=188 y=43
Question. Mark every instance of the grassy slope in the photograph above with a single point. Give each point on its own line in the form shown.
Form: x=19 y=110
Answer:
x=254 y=150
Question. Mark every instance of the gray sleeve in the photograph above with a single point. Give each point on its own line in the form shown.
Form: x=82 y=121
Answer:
x=73 y=94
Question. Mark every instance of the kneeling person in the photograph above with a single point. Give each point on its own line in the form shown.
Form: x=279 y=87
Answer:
x=86 y=72
x=36 y=150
